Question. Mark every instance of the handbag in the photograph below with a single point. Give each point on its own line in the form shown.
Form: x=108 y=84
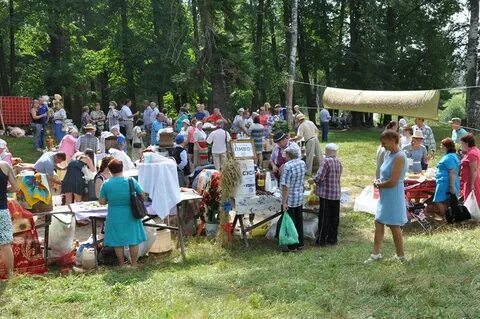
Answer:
x=137 y=145
x=136 y=202
x=456 y=213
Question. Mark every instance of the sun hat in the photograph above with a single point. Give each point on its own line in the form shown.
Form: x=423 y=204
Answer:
x=3 y=144
x=417 y=134
x=186 y=121
x=455 y=120
x=179 y=139
x=89 y=126
x=300 y=117
x=279 y=136
x=241 y=110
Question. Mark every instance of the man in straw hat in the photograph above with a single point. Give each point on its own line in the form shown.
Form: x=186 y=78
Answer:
x=309 y=132
x=457 y=130
x=88 y=140
x=277 y=159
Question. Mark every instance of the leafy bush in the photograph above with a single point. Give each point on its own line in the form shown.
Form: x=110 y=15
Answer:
x=454 y=107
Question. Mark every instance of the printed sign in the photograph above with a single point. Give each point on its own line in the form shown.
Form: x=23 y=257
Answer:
x=243 y=149
x=247 y=186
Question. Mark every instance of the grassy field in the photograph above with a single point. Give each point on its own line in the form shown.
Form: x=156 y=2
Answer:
x=440 y=280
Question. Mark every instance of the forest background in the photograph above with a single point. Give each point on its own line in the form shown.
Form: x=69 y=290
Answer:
x=235 y=53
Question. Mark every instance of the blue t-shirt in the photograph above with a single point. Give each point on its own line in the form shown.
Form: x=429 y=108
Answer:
x=42 y=109
x=122 y=141
x=417 y=155
x=156 y=126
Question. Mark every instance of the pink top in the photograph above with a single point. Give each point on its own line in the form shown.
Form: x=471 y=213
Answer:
x=67 y=145
x=473 y=155
x=263 y=120
x=191 y=133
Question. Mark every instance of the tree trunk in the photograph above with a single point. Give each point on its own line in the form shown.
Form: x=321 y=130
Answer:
x=104 y=89
x=473 y=110
x=4 y=87
x=390 y=55
x=292 y=61
x=196 y=38
x=273 y=48
x=213 y=57
x=12 y=27
x=356 y=75
x=126 y=51
x=309 y=94
x=257 y=58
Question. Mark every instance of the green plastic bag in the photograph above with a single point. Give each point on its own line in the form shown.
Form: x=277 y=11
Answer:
x=288 y=234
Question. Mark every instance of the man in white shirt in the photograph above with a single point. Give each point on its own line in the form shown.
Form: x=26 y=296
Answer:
x=324 y=123
x=219 y=139
x=309 y=132
x=126 y=120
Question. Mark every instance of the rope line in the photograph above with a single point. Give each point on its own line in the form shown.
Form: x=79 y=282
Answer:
x=456 y=88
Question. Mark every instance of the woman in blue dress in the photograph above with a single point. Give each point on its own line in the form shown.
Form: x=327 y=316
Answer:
x=121 y=229
x=447 y=177
x=391 y=210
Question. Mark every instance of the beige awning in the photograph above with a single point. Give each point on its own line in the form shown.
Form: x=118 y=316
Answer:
x=405 y=103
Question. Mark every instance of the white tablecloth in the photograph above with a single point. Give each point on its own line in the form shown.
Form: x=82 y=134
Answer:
x=84 y=210
x=160 y=181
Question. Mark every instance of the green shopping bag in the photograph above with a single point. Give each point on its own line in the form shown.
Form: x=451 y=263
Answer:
x=288 y=233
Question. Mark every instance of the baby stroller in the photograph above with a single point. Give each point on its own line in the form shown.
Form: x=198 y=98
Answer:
x=416 y=213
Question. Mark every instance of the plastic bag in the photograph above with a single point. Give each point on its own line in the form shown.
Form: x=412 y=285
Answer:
x=88 y=175
x=62 y=233
x=288 y=233
x=312 y=198
x=472 y=205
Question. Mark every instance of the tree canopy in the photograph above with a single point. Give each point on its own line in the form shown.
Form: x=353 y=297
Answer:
x=230 y=53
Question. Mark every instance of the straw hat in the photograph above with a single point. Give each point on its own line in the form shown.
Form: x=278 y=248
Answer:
x=89 y=126
x=417 y=134
x=300 y=117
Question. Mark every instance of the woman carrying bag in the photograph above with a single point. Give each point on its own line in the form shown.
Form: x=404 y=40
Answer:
x=470 y=173
x=122 y=227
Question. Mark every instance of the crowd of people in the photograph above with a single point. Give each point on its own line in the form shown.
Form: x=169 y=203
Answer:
x=457 y=174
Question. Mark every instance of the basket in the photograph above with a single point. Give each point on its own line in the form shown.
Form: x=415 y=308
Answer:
x=166 y=139
x=41 y=207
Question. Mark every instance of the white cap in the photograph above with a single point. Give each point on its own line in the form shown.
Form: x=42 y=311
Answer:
x=115 y=127
x=186 y=121
x=240 y=110
x=3 y=144
x=199 y=122
x=331 y=147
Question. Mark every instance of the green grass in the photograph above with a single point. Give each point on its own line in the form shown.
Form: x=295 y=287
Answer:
x=441 y=279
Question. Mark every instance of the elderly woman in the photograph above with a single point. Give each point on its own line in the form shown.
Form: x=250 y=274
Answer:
x=73 y=184
x=291 y=184
x=200 y=149
x=122 y=229
x=329 y=191
x=69 y=142
x=113 y=114
x=6 y=229
x=86 y=119
x=391 y=209
x=59 y=117
x=447 y=177
x=470 y=172
x=416 y=152
x=98 y=118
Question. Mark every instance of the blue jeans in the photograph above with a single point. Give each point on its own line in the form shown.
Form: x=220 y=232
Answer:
x=324 y=126
x=59 y=133
x=39 y=135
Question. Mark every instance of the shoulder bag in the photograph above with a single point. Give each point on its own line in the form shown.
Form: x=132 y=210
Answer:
x=138 y=207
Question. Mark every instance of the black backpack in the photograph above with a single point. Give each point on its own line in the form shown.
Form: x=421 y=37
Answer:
x=456 y=213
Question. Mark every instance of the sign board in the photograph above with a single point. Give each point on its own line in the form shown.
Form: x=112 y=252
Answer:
x=247 y=184
x=243 y=149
